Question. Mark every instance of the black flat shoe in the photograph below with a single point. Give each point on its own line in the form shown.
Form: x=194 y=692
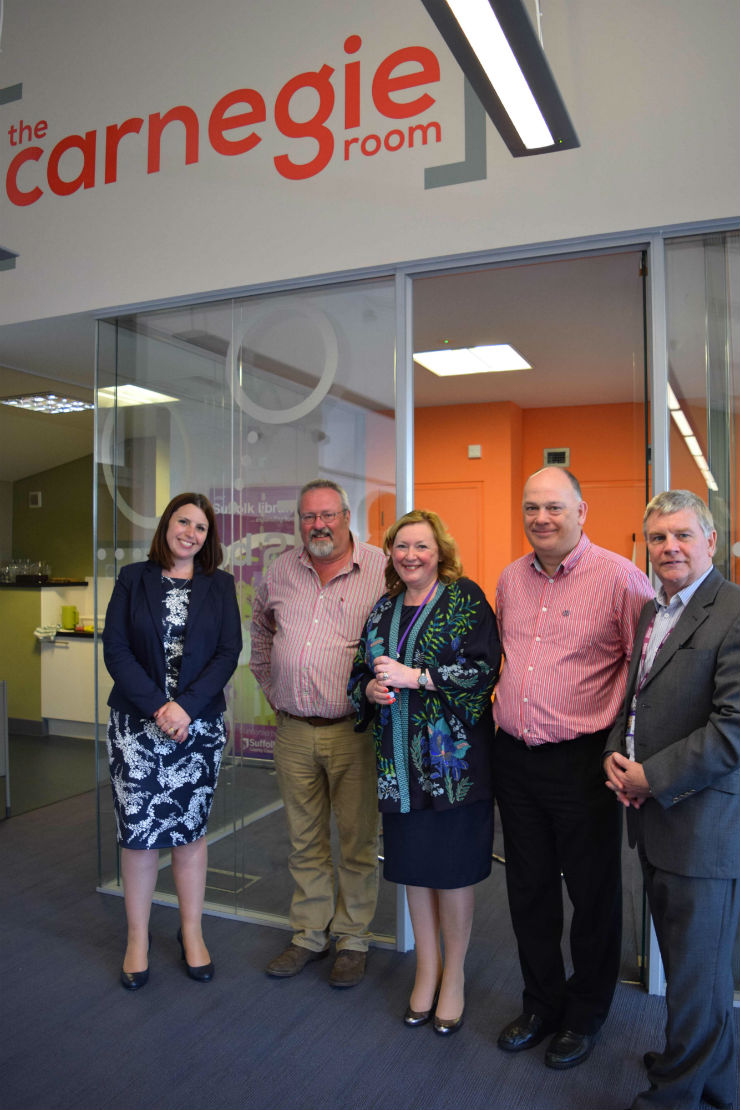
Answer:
x=134 y=980
x=202 y=974
x=447 y=1028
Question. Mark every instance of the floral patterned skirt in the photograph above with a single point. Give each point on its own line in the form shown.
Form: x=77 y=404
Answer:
x=442 y=849
x=162 y=791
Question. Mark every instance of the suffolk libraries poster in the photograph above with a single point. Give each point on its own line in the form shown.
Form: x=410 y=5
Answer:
x=256 y=524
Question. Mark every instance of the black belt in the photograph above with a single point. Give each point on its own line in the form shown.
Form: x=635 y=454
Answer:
x=319 y=722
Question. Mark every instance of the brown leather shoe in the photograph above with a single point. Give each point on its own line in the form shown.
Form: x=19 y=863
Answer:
x=293 y=960
x=349 y=968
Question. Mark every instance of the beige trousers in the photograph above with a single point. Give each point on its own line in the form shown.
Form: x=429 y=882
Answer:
x=323 y=770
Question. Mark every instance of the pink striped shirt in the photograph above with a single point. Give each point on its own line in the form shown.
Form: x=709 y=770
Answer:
x=567 y=642
x=305 y=635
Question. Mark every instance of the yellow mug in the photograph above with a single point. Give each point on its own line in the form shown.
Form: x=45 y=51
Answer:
x=70 y=616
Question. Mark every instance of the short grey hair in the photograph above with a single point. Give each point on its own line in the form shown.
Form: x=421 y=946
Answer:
x=675 y=501
x=324 y=483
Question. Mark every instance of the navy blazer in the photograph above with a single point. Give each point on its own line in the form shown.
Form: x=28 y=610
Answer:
x=687 y=736
x=133 y=643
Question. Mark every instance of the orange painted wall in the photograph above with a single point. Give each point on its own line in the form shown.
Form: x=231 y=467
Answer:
x=442 y=437
x=607 y=456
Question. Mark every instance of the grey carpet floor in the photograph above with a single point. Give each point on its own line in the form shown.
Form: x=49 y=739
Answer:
x=73 y=1039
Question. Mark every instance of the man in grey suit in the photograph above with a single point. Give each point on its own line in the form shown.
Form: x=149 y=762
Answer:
x=673 y=758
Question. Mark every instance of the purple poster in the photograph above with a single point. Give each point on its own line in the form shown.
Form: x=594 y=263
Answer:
x=256 y=524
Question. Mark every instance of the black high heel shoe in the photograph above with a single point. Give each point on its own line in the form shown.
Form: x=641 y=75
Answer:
x=413 y=1018
x=447 y=1028
x=134 y=980
x=202 y=974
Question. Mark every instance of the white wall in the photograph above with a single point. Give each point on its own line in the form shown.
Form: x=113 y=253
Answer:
x=651 y=86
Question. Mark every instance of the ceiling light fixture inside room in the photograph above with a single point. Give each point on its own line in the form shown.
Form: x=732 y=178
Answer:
x=497 y=49
x=127 y=395
x=692 y=443
x=494 y=359
x=50 y=403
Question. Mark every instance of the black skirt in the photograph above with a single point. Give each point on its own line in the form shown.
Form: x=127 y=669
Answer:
x=442 y=849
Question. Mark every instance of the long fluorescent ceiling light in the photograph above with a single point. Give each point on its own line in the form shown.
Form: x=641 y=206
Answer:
x=50 y=403
x=692 y=443
x=497 y=49
x=494 y=359
x=127 y=395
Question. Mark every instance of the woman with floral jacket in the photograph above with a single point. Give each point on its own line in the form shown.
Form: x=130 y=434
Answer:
x=424 y=674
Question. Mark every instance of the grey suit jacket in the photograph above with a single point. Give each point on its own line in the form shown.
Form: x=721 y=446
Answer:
x=687 y=736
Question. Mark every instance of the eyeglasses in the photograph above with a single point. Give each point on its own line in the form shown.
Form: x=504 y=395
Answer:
x=326 y=518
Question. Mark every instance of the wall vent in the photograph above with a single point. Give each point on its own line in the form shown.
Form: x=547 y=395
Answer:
x=557 y=456
x=34 y=499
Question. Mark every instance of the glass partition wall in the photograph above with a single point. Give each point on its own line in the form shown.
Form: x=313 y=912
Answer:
x=251 y=397
x=703 y=329
x=243 y=400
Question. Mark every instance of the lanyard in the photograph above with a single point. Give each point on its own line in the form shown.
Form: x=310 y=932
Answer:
x=413 y=620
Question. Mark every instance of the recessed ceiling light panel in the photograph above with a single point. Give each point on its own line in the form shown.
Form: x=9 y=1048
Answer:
x=50 y=403
x=493 y=359
x=127 y=395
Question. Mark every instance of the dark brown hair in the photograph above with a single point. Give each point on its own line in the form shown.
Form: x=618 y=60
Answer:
x=211 y=554
x=449 y=568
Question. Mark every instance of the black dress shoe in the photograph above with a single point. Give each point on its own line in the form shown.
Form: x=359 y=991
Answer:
x=447 y=1028
x=524 y=1032
x=202 y=974
x=568 y=1049
x=134 y=980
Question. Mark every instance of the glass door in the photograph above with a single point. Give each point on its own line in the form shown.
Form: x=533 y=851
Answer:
x=246 y=400
x=579 y=324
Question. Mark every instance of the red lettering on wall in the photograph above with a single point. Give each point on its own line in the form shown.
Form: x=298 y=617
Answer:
x=113 y=135
x=384 y=83
x=86 y=177
x=17 y=195
x=352 y=84
x=313 y=128
x=219 y=122
x=302 y=111
x=157 y=123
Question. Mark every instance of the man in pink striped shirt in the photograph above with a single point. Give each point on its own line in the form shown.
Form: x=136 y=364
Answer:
x=309 y=613
x=567 y=615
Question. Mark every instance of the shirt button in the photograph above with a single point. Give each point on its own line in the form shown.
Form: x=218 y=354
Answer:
x=525 y=699
x=537 y=638
x=530 y=668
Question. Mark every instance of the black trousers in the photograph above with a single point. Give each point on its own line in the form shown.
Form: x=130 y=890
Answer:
x=558 y=817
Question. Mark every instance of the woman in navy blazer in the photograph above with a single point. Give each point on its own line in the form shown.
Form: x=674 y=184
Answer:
x=171 y=642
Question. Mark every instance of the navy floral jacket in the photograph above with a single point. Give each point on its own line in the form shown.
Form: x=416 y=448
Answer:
x=433 y=747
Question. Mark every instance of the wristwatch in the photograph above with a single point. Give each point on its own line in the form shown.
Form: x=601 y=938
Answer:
x=422 y=680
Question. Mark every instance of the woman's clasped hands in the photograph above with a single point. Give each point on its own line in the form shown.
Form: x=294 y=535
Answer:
x=389 y=675
x=173 y=721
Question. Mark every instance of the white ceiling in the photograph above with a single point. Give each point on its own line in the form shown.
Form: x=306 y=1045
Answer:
x=577 y=321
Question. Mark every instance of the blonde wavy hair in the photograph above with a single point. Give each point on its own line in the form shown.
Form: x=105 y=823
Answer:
x=450 y=566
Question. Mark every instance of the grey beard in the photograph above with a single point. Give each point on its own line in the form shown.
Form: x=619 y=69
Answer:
x=320 y=546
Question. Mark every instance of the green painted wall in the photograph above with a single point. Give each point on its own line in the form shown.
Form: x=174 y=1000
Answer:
x=59 y=533
x=20 y=651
